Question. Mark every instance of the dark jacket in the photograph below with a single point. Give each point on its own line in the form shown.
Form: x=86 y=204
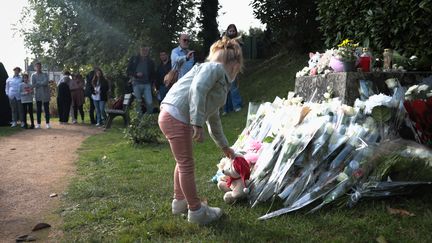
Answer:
x=88 y=85
x=103 y=89
x=162 y=70
x=133 y=63
x=63 y=93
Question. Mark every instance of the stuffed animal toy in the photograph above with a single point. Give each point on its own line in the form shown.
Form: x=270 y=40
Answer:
x=313 y=62
x=235 y=186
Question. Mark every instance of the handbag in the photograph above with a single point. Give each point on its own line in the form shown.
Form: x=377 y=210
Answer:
x=171 y=77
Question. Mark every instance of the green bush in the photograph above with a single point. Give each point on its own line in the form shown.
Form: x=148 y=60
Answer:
x=402 y=25
x=145 y=130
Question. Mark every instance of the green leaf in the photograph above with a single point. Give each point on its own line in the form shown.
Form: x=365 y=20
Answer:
x=381 y=113
x=268 y=139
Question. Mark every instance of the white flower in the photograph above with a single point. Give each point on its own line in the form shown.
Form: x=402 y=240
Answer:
x=348 y=110
x=327 y=95
x=391 y=83
x=291 y=95
x=342 y=176
x=422 y=87
x=377 y=100
x=359 y=104
x=411 y=89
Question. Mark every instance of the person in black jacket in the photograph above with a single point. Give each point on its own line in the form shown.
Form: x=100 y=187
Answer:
x=163 y=68
x=100 y=88
x=88 y=93
x=64 y=98
x=141 y=73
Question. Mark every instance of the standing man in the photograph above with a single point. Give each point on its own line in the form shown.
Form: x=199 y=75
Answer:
x=163 y=68
x=181 y=57
x=141 y=72
x=42 y=94
x=13 y=86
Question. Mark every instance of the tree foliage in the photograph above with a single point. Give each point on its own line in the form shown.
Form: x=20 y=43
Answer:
x=74 y=33
x=292 y=22
x=209 y=26
x=404 y=25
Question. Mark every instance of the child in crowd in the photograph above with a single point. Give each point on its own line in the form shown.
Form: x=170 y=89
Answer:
x=26 y=90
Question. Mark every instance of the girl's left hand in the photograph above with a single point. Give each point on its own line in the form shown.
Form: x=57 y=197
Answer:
x=229 y=152
x=198 y=134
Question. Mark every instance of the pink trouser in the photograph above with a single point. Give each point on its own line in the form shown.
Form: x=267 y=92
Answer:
x=179 y=136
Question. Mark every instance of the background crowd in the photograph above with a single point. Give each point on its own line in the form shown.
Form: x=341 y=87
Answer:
x=145 y=80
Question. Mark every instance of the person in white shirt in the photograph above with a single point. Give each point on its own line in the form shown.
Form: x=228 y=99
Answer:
x=13 y=85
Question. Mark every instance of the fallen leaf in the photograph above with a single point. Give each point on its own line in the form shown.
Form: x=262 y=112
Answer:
x=40 y=226
x=53 y=195
x=25 y=238
x=400 y=212
x=381 y=239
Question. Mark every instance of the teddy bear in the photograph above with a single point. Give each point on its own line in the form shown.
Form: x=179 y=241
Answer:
x=313 y=62
x=237 y=172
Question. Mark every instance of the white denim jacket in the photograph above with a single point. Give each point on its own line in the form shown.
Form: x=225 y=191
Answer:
x=199 y=95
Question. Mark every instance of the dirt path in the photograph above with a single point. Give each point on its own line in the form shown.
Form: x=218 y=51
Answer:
x=33 y=165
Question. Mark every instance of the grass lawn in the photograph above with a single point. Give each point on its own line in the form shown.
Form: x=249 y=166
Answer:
x=123 y=193
x=7 y=130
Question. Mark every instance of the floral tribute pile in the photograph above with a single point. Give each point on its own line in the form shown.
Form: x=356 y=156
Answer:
x=311 y=154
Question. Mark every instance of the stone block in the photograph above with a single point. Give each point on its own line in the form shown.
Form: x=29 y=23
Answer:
x=346 y=84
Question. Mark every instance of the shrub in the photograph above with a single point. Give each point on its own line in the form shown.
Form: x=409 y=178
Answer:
x=145 y=130
x=403 y=25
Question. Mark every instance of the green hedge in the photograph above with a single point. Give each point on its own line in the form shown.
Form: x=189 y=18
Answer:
x=403 y=25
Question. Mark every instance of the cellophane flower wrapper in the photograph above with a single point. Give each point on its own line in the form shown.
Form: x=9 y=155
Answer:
x=418 y=104
x=317 y=153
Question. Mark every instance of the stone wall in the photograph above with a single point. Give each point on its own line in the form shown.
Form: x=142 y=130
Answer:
x=346 y=84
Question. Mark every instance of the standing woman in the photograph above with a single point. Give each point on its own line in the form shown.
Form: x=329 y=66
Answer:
x=64 y=99
x=100 y=89
x=26 y=90
x=194 y=100
x=234 y=100
x=77 y=93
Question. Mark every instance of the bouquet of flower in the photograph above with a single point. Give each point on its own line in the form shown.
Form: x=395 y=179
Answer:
x=346 y=50
x=418 y=104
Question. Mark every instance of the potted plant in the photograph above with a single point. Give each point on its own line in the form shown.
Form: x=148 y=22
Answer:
x=346 y=58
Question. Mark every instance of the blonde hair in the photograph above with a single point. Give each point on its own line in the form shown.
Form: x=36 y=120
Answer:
x=228 y=52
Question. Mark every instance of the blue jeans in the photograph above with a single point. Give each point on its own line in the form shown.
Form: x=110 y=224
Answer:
x=145 y=90
x=100 y=111
x=234 y=100
x=163 y=90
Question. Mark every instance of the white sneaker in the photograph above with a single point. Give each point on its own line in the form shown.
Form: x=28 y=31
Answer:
x=204 y=215
x=14 y=124
x=48 y=126
x=74 y=121
x=237 y=109
x=98 y=124
x=179 y=206
x=37 y=126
